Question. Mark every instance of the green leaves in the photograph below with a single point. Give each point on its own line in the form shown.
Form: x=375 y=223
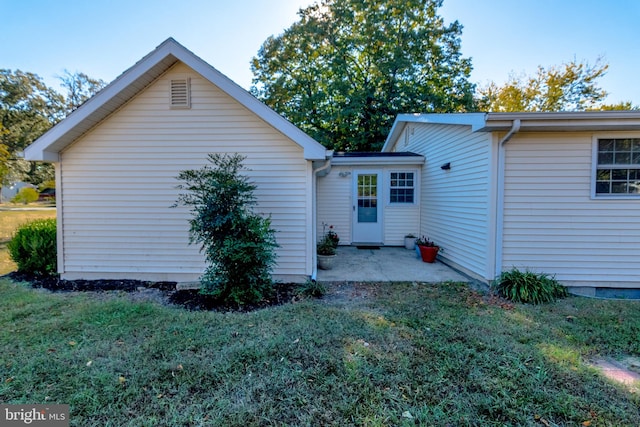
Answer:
x=348 y=67
x=28 y=108
x=239 y=245
x=33 y=247
x=528 y=287
x=572 y=86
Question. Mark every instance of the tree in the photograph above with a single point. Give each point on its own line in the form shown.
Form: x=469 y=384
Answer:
x=28 y=108
x=4 y=164
x=572 y=86
x=348 y=67
x=239 y=245
x=620 y=106
x=79 y=87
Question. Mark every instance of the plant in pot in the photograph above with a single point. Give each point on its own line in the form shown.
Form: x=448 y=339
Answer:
x=326 y=253
x=409 y=241
x=331 y=235
x=428 y=249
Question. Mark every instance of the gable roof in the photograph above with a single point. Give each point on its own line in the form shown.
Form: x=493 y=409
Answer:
x=532 y=122
x=136 y=79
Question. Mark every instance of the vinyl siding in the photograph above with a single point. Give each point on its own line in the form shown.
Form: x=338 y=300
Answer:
x=456 y=203
x=335 y=195
x=552 y=225
x=402 y=218
x=335 y=205
x=119 y=184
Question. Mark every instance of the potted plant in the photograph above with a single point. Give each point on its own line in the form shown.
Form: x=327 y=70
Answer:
x=409 y=241
x=332 y=236
x=428 y=249
x=326 y=253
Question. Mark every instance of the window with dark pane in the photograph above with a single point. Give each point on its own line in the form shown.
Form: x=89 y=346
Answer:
x=618 y=169
x=401 y=187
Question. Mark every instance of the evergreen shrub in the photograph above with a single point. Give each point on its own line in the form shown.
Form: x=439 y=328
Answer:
x=239 y=245
x=33 y=248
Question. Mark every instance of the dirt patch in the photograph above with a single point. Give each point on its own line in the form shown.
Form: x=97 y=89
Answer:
x=193 y=300
x=625 y=371
x=164 y=293
x=351 y=293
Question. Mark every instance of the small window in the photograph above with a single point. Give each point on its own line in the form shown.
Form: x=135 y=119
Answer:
x=401 y=187
x=618 y=167
x=180 y=93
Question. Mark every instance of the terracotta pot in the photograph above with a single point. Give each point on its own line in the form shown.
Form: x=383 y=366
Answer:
x=428 y=253
x=325 y=262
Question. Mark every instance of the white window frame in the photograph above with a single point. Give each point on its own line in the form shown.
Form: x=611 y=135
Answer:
x=390 y=187
x=594 y=167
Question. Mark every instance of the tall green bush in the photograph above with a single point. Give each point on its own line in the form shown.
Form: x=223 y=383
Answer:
x=33 y=248
x=239 y=245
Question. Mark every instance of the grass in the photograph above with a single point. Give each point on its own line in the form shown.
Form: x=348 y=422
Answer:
x=405 y=355
x=9 y=222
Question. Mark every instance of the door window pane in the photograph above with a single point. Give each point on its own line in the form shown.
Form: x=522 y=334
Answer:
x=367 y=198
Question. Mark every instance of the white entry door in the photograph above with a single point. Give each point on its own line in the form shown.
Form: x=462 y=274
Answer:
x=367 y=208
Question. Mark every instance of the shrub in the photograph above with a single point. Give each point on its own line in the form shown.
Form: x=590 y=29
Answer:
x=528 y=287
x=312 y=288
x=26 y=195
x=33 y=248
x=239 y=245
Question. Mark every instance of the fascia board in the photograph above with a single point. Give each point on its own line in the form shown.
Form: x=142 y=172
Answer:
x=382 y=161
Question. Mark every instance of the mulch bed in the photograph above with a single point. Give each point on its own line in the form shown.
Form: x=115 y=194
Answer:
x=189 y=299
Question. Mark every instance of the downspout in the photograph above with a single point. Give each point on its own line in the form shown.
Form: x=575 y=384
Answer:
x=515 y=127
x=319 y=172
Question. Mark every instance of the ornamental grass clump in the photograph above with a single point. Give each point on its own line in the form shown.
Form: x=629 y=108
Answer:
x=33 y=248
x=528 y=287
x=239 y=245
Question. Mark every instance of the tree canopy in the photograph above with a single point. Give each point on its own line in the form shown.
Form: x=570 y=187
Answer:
x=572 y=86
x=28 y=108
x=78 y=87
x=346 y=68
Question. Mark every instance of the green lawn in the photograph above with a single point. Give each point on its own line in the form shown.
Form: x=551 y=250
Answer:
x=395 y=354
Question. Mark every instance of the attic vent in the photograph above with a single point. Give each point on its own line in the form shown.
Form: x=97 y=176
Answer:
x=180 y=93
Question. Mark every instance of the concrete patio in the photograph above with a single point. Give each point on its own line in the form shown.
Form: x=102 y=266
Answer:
x=387 y=264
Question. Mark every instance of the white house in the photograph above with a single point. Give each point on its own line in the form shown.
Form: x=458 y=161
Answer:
x=557 y=193
x=117 y=156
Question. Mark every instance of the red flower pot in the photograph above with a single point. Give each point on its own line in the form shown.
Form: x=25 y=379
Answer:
x=428 y=253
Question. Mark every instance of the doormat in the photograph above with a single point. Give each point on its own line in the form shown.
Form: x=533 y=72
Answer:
x=367 y=247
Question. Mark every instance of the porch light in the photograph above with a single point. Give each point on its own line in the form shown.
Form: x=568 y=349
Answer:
x=446 y=166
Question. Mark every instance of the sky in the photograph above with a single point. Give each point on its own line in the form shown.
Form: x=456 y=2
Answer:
x=103 y=38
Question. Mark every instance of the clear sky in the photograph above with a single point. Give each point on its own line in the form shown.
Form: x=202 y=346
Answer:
x=102 y=38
